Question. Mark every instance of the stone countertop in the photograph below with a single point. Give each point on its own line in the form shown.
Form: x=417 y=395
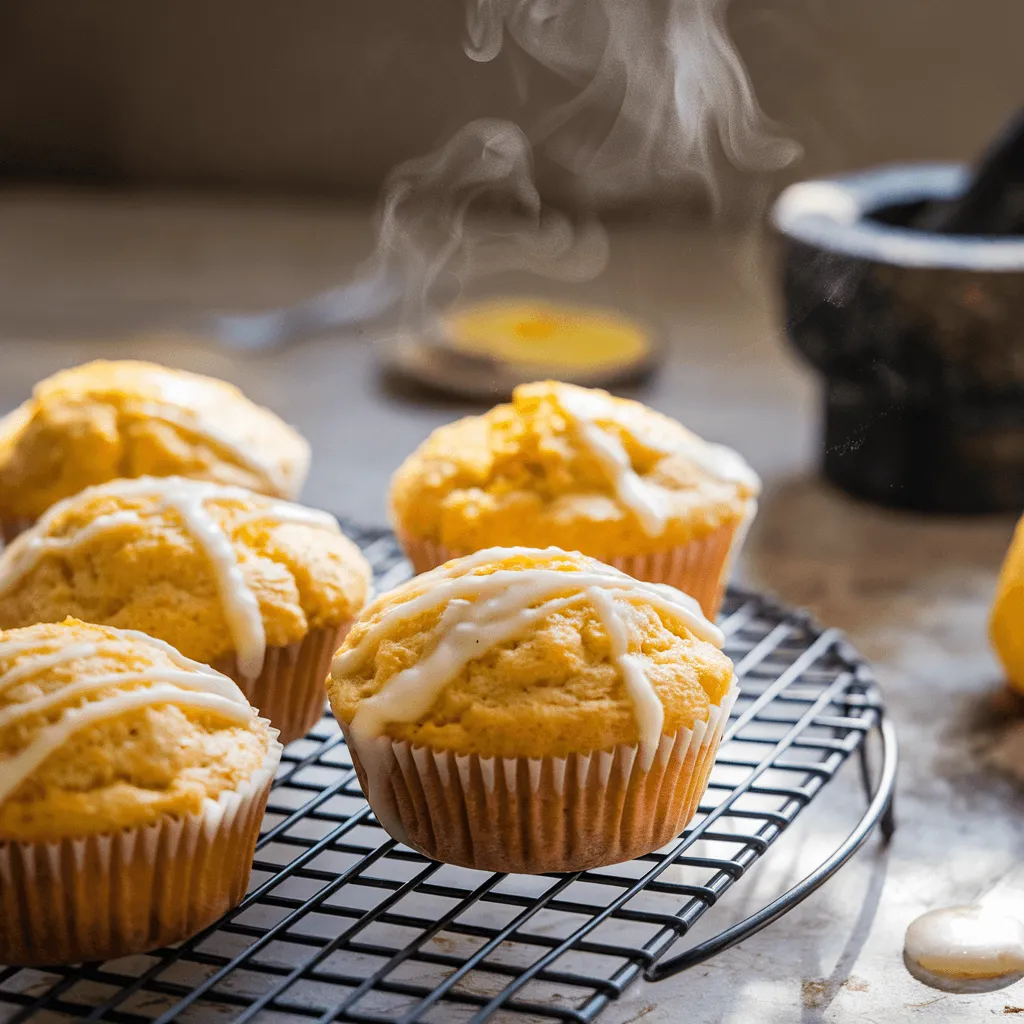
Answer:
x=80 y=276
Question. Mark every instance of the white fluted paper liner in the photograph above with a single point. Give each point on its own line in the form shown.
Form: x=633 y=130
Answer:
x=533 y=815
x=106 y=896
x=699 y=568
x=290 y=688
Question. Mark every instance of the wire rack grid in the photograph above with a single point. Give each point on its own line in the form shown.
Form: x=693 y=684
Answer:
x=342 y=924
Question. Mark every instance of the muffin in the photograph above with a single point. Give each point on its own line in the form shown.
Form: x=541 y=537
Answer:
x=104 y=420
x=261 y=589
x=531 y=711
x=131 y=796
x=576 y=468
x=1006 y=624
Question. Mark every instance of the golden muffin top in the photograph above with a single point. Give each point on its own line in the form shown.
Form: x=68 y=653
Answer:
x=104 y=420
x=570 y=466
x=209 y=568
x=104 y=729
x=516 y=652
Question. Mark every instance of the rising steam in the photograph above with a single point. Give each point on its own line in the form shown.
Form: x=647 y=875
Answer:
x=662 y=92
x=661 y=98
x=471 y=209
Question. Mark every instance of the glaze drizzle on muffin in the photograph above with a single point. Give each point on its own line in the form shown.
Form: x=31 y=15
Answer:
x=574 y=467
x=111 y=419
x=648 y=501
x=272 y=474
x=187 y=684
x=482 y=611
x=189 y=500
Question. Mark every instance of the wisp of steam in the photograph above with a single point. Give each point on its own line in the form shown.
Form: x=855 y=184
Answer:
x=661 y=97
x=471 y=209
x=662 y=91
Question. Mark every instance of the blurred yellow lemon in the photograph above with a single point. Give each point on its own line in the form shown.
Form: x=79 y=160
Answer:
x=1006 y=626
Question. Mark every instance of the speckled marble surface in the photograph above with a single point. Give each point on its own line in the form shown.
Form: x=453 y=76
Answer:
x=76 y=273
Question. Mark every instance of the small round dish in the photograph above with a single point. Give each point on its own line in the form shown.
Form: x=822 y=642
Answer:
x=484 y=350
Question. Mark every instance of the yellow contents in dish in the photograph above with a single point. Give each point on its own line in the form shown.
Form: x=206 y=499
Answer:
x=536 y=333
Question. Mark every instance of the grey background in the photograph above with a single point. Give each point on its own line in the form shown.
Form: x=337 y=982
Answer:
x=323 y=96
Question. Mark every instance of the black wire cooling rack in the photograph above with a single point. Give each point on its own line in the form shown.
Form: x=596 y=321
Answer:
x=341 y=924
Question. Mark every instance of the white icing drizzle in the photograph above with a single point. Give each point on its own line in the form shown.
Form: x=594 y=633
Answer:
x=180 y=661
x=241 y=608
x=188 y=684
x=188 y=498
x=647 y=706
x=88 y=684
x=965 y=944
x=29 y=668
x=484 y=611
x=191 y=422
x=647 y=501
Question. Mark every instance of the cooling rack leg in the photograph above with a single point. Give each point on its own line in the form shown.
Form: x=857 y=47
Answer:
x=887 y=823
x=864 y=759
x=887 y=826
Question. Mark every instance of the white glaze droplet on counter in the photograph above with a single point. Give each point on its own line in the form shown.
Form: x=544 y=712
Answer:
x=188 y=498
x=647 y=501
x=970 y=943
x=480 y=612
x=200 y=687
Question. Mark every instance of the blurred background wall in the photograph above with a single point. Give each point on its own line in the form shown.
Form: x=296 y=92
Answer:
x=324 y=96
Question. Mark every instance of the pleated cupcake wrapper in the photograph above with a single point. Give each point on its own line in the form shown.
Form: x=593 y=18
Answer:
x=105 y=896
x=11 y=527
x=290 y=690
x=533 y=815
x=699 y=568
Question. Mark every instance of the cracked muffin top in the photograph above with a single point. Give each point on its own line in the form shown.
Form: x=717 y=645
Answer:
x=211 y=569
x=518 y=652
x=104 y=420
x=569 y=466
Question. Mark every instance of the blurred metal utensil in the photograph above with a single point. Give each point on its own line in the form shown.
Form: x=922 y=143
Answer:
x=357 y=302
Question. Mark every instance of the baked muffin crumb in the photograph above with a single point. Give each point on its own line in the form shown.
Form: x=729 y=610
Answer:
x=552 y=687
x=104 y=420
x=542 y=470
x=183 y=560
x=131 y=732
